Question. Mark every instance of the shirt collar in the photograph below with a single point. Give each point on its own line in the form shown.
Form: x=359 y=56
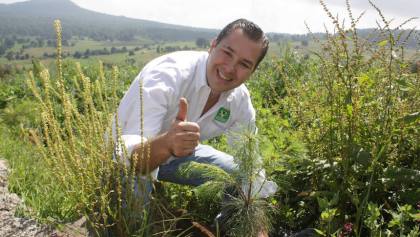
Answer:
x=201 y=73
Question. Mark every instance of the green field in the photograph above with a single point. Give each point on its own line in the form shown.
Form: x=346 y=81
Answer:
x=147 y=51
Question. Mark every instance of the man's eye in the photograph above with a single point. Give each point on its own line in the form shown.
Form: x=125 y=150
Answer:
x=227 y=53
x=245 y=65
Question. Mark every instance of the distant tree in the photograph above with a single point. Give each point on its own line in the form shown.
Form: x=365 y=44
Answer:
x=2 y=49
x=130 y=61
x=304 y=43
x=202 y=42
x=170 y=49
x=10 y=56
x=40 y=42
x=50 y=43
x=9 y=43
x=32 y=44
x=6 y=69
x=113 y=50
x=126 y=36
x=77 y=55
x=87 y=53
x=105 y=51
x=131 y=53
x=65 y=43
x=20 y=40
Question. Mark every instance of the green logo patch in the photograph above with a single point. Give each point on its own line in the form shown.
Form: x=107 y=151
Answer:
x=222 y=115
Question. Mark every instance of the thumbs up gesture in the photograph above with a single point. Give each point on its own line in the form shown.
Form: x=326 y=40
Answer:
x=183 y=136
x=183 y=109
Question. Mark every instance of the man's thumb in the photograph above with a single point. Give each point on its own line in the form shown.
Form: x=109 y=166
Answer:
x=183 y=109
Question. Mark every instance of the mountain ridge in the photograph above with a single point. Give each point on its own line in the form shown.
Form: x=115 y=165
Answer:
x=35 y=18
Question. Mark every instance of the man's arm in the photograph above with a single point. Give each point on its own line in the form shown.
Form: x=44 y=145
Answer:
x=179 y=141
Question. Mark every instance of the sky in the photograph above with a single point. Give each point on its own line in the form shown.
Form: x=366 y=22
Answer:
x=281 y=16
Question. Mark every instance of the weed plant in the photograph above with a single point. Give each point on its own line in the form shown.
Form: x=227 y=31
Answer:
x=77 y=147
x=349 y=129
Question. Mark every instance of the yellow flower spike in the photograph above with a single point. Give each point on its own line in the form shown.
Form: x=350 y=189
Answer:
x=58 y=30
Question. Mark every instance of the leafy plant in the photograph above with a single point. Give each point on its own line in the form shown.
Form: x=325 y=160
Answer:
x=244 y=212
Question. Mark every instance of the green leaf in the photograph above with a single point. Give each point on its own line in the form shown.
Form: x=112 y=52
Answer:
x=363 y=157
x=416 y=216
x=404 y=86
x=383 y=43
x=402 y=83
x=349 y=110
x=410 y=118
x=322 y=203
x=360 y=155
x=320 y=232
x=364 y=79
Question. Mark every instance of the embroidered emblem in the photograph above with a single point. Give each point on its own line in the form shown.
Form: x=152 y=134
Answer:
x=222 y=115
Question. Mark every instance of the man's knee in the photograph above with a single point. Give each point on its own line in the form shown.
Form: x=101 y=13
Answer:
x=203 y=154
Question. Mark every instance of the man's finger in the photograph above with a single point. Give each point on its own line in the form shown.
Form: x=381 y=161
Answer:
x=188 y=151
x=183 y=109
x=188 y=136
x=189 y=126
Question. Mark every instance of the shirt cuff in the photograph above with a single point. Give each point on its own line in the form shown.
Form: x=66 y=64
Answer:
x=130 y=142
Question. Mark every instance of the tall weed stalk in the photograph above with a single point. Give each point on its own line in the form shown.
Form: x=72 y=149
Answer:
x=76 y=143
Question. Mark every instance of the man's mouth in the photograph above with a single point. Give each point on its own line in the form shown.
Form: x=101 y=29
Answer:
x=223 y=76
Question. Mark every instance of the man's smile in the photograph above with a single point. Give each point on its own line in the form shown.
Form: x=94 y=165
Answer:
x=223 y=76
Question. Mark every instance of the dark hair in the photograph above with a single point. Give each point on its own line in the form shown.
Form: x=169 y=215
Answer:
x=251 y=30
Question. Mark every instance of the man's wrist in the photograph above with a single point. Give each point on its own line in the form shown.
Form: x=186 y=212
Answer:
x=164 y=145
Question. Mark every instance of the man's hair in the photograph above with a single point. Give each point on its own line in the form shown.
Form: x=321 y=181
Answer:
x=251 y=30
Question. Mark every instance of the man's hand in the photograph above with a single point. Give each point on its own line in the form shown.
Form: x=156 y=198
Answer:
x=183 y=136
x=180 y=140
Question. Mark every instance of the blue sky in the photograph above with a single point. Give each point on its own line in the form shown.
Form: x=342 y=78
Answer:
x=283 y=16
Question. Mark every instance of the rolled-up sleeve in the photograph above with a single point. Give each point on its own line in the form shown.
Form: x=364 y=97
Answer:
x=158 y=87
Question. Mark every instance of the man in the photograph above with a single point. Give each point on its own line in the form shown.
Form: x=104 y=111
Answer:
x=189 y=97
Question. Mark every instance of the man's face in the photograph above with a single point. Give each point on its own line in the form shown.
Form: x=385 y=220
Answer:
x=232 y=61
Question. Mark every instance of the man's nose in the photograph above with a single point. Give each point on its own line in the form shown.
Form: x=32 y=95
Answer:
x=230 y=67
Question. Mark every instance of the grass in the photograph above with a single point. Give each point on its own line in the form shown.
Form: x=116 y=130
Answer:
x=31 y=180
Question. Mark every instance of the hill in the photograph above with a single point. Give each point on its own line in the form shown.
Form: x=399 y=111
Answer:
x=35 y=18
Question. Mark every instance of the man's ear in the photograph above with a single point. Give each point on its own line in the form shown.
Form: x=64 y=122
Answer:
x=212 y=44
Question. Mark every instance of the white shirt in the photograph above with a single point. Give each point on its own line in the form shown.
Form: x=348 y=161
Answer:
x=165 y=80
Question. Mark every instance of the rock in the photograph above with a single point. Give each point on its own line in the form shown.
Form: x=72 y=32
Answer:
x=10 y=225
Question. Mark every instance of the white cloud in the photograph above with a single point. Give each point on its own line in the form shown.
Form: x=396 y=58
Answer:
x=272 y=15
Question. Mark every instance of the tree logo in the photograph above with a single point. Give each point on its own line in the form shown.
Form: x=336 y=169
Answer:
x=222 y=115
